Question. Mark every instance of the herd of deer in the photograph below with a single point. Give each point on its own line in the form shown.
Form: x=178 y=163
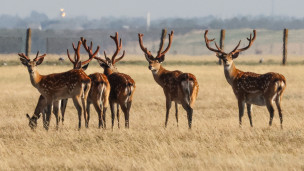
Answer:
x=112 y=87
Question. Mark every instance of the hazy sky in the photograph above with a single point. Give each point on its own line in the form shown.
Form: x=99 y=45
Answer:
x=158 y=8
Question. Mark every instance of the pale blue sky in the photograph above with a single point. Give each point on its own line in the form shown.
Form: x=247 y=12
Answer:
x=158 y=8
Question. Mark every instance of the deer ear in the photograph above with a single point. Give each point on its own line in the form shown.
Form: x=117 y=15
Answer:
x=39 y=61
x=85 y=66
x=220 y=55
x=161 y=59
x=103 y=65
x=235 y=55
x=28 y=116
x=24 y=61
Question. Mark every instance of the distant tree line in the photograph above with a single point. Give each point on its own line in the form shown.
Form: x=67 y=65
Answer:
x=41 y=21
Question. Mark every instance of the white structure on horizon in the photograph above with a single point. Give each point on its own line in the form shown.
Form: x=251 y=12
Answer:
x=148 y=21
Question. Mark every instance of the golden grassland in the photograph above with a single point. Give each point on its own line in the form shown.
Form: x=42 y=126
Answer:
x=215 y=142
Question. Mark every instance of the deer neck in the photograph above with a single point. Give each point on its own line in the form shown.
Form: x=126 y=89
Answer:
x=157 y=74
x=230 y=72
x=35 y=78
x=107 y=71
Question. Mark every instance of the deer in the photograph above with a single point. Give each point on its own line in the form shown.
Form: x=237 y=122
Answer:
x=100 y=86
x=182 y=88
x=54 y=87
x=251 y=88
x=122 y=85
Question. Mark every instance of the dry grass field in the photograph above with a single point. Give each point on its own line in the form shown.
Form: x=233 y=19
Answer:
x=216 y=142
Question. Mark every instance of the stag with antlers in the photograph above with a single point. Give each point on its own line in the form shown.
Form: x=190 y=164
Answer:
x=251 y=88
x=182 y=88
x=57 y=86
x=100 y=86
x=122 y=85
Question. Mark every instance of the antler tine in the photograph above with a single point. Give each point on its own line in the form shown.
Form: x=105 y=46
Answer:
x=251 y=40
x=89 y=50
x=237 y=46
x=39 y=57
x=162 y=40
x=91 y=56
x=77 y=51
x=207 y=41
x=145 y=50
x=70 y=57
x=118 y=59
x=118 y=46
x=169 y=45
x=99 y=59
x=22 y=55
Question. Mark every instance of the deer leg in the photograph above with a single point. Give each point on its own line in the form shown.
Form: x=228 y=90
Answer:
x=249 y=110
x=129 y=104
x=270 y=110
x=56 y=111
x=86 y=121
x=278 y=103
x=64 y=103
x=88 y=110
x=112 y=113
x=189 y=110
x=168 y=106
x=125 y=111
x=176 y=113
x=48 y=116
x=105 y=103
x=241 y=105
x=104 y=110
x=117 y=114
x=76 y=101
x=98 y=110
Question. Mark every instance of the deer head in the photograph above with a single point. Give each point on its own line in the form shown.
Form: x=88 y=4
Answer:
x=109 y=63
x=32 y=121
x=77 y=64
x=155 y=62
x=228 y=58
x=31 y=65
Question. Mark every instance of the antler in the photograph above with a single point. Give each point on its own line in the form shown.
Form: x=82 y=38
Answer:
x=118 y=48
x=77 y=53
x=250 y=39
x=145 y=50
x=22 y=55
x=159 y=53
x=102 y=60
x=39 y=57
x=89 y=50
x=219 y=50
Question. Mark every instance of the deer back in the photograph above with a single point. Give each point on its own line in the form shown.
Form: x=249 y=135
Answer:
x=122 y=86
x=66 y=81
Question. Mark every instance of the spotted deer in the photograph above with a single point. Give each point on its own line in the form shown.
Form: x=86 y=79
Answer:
x=100 y=89
x=182 y=88
x=248 y=87
x=77 y=64
x=122 y=85
x=54 y=87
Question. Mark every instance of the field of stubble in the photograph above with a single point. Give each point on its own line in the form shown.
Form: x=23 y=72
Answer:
x=215 y=142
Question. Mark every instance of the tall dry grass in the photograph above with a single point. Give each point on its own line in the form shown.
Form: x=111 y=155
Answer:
x=216 y=142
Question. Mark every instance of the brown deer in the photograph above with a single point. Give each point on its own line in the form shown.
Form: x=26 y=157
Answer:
x=182 y=88
x=122 y=85
x=248 y=87
x=100 y=88
x=63 y=102
x=57 y=86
